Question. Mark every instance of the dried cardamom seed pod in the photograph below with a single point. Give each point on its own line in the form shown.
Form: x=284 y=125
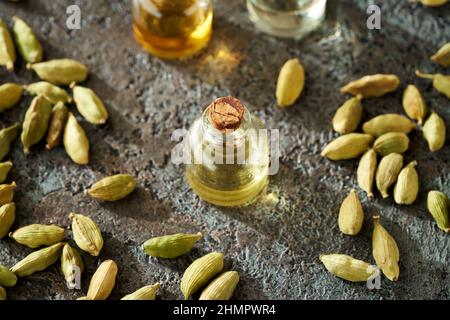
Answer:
x=348 y=146
x=83 y=298
x=414 y=104
x=200 y=272
x=7 y=50
x=60 y=114
x=27 y=43
x=144 y=293
x=103 y=281
x=37 y=235
x=290 y=84
x=89 y=104
x=86 y=234
x=7 y=217
x=388 y=123
x=35 y=123
x=10 y=94
x=7 y=136
x=2 y=293
x=431 y=3
x=440 y=82
x=407 y=187
x=222 y=287
x=385 y=251
x=52 y=93
x=366 y=171
x=171 y=246
x=5 y=167
x=347 y=268
x=71 y=265
x=373 y=85
x=60 y=71
x=351 y=215
x=112 y=188
x=388 y=171
x=7 y=277
x=438 y=206
x=391 y=142
x=75 y=141
x=7 y=193
x=38 y=260
x=434 y=132
x=442 y=56
x=348 y=116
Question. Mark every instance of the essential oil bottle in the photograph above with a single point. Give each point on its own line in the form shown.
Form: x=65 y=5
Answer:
x=229 y=154
x=172 y=29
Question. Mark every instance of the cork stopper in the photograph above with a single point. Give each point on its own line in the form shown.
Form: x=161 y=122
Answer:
x=226 y=113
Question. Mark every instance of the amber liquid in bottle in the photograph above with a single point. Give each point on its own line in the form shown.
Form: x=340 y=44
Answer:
x=172 y=29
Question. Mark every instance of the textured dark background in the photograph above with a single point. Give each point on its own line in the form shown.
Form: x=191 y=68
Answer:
x=274 y=246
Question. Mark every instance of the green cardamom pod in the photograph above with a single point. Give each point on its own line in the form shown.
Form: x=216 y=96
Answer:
x=103 y=281
x=434 y=132
x=113 y=188
x=431 y=3
x=222 y=287
x=373 y=85
x=348 y=146
x=351 y=215
x=2 y=293
x=366 y=171
x=7 y=50
x=171 y=246
x=27 y=43
x=438 y=206
x=7 y=136
x=35 y=123
x=443 y=55
x=290 y=83
x=75 y=141
x=407 y=187
x=414 y=104
x=86 y=234
x=89 y=104
x=7 y=217
x=144 y=293
x=71 y=264
x=10 y=94
x=200 y=272
x=440 y=82
x=5 y=167
x=391 y=142
x=347 y=268
x=60 y=71
x=52 y=93
x=388 y=123
x=385 y=251
x=37 y=235
x=348 y=116
x=38 y=260
x=7 y=193
x=60 y=114
x=7 y=277
x=388 y=171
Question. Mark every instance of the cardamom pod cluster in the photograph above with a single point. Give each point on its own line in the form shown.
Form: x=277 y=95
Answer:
x=58 y=121
x=388 y=123
x=60 y=71
x=373 y=85
x=86 y=234
x=441 y=83
x=348 y=116
x=391 y=142
x=144 y=293
x=7 y=136
x=7 y=50
x=200 y=272
x=407 y=186
x=385 y=251
x=290 y=84
x=52 y=93
x=442 y=56
x=7 y=218
x=113 y=188
x=103 y=281
x=222 y=287
x=438 y=206
x=351 y=215
x=71 y=264
x=36 y=122
x=366 y=171
x=347 y=268
x=434 y=132
x=37 y=235
x=7 y=277
x=75 y=141
x=5 y=167
x=171 y=246
x=89 y=104
x=27 y=43
x=348 y=146
x=10 y=94
x=387 y=172
x=413 y=104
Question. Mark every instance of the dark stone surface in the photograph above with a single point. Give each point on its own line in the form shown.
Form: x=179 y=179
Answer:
x=275 y=247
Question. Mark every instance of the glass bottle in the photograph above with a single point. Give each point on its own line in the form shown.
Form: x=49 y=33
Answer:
x=172 y=29
x=229 y=158
x=287 y=18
